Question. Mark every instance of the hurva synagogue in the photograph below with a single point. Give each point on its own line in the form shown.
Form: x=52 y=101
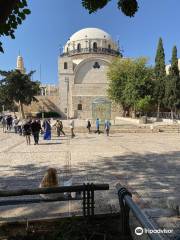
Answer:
x=82 y=75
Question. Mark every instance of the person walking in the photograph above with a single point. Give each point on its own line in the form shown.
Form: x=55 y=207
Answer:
x=35 y=128
x=107 y=125
x=27 y=131
x=20 y=127
x=57 y=125
x=15 y=124
x=72 y=128
x=47 y=129
x=9 y=122
x=89 y=126
x=97 y=126
x=4 y=123
x=61 y=128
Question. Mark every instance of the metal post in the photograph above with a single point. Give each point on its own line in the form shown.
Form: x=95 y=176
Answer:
x=122 y=192
x=88 y=200
x=84 y=200
x=92 y=199
x=126 y=203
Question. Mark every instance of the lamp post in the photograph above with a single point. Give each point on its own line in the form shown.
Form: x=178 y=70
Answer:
x=67 y=100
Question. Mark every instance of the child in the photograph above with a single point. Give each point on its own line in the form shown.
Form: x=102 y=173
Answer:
x=50 y=179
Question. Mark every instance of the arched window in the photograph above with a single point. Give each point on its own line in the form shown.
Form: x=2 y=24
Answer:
x=79 y=107
x=67 y=49
x=109 y=46
x=79 y=47
x=95 y=46
x=65 y=65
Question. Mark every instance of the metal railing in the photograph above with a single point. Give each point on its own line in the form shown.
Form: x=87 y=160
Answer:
x=92 y=50
x=127 y=205
x=85 y=193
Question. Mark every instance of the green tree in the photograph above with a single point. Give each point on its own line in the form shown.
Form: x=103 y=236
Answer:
x=18 y=88
x=128 y=7
x=160 y=76
x=144 y=104
x=12 y=13
x=129 y=81
x=172 y=87
x=5 y=101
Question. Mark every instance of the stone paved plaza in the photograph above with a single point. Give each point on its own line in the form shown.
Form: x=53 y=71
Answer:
x=147 y=163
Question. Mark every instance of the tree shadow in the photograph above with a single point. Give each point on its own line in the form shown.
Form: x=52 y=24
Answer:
x=153 y=176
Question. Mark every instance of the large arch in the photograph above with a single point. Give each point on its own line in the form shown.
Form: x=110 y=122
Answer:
x=91 y=70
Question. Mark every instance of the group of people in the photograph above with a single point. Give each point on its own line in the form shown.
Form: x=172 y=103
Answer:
x=30 y=126
x=7 y=122
x=107 y=125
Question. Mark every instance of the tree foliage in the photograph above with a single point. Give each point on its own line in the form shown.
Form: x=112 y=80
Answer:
x=160 y=74
x=144 y=104
x=130 y=80
x=12 y=13
x=172 y=86
x=18 y=87
x=128 y=7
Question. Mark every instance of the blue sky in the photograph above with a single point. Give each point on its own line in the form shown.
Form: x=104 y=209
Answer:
x=52 y=22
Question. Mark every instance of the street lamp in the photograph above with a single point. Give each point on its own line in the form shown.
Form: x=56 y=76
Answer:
x=67 y=100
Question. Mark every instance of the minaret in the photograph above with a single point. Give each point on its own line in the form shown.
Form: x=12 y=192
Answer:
x=20 y=64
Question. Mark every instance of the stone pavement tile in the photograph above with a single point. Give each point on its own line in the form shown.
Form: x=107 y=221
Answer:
x=146 y=163
x=156 y=212
x=173 y=202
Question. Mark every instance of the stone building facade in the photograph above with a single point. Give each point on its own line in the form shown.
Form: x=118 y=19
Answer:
x=82 y=70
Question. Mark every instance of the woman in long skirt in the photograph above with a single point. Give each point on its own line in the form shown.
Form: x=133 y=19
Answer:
x=47 y=130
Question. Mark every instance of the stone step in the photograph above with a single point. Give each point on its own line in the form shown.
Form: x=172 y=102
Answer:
x=134 y=130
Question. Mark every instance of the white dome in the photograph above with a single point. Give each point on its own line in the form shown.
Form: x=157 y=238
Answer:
x=90 y=40
x=90 y=33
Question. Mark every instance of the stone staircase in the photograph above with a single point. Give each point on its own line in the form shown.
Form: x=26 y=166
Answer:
x=168 y=128
x=114 y=129
x=128 y=128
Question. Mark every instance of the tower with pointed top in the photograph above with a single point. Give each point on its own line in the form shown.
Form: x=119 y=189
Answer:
x=20 y=64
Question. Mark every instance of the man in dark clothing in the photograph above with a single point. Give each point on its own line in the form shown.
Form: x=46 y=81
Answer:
x=35 y=128
x=9 y=122
x=89 y=126
x=27 y=131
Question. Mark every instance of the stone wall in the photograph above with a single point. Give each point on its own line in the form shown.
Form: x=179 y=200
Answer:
x=81 y=83
x=45 y=103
